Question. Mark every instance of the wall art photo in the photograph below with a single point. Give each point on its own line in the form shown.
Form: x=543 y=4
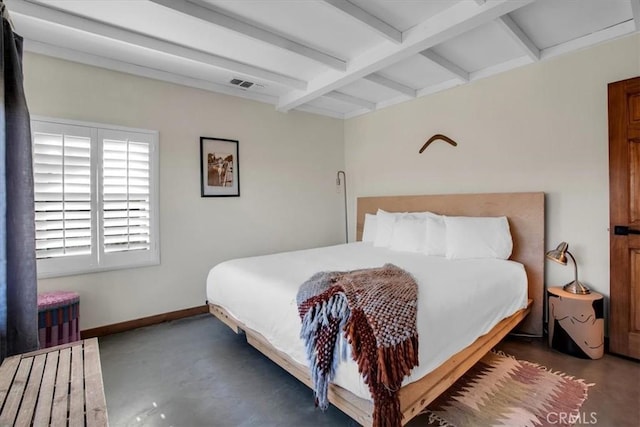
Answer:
x=219 y=167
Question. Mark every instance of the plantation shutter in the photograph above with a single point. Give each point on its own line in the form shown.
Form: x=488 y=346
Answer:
x=126 y=193
x=63 y=180
x=96 y=197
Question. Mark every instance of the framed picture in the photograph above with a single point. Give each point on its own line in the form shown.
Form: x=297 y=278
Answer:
x=219 y=167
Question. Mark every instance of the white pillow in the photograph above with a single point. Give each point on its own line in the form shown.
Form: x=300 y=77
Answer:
x=408 y=234
x=435 y=242
x=370 y=225
x=478 y=237
x=385 y=222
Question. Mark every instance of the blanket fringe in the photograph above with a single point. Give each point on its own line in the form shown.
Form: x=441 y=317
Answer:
x=396 y=362
x=382 y=369
x=383 y=342
x=320 y=316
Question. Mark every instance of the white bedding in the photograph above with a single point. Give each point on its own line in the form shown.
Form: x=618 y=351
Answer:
x=459 y=300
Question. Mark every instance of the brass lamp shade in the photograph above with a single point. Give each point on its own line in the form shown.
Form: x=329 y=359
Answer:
x=559 y=255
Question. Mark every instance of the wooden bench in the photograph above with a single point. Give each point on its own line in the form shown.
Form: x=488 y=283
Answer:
x=57 y=386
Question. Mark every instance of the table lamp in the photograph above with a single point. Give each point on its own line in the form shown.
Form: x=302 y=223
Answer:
x=559 y=255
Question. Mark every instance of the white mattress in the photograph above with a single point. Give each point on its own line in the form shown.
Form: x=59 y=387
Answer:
x=459 y=300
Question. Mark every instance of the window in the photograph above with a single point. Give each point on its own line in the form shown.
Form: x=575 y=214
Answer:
x=96 y=197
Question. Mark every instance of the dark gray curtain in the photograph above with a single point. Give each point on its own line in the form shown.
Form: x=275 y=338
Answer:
x=18 y=285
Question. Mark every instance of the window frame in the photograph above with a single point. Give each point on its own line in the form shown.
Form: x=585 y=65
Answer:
x=98 y=261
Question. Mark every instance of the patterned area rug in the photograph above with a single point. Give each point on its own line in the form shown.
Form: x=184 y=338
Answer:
x=502 y=391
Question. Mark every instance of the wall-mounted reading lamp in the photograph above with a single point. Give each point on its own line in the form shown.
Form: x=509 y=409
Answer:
x=346 y=223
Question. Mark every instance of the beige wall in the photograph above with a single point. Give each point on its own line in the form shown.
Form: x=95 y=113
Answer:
x=538 y=128
x=288 y=197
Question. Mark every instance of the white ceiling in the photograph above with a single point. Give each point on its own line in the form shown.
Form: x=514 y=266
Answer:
x=333 y=57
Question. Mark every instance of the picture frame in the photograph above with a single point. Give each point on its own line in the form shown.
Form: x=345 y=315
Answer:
x=219 y=167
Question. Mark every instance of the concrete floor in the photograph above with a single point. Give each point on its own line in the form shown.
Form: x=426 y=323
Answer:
x=195 y=372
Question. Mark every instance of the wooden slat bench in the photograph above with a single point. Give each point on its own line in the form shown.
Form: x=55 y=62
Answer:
x=57 y=386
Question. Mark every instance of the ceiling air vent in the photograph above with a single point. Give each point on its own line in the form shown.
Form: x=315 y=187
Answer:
x=242 y=83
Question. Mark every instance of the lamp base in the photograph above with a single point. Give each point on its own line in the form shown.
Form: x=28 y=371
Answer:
x=576 y=287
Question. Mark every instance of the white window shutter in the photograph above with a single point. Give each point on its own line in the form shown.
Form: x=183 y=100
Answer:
x=128 y=204
x=96 y=197
x=63 y=184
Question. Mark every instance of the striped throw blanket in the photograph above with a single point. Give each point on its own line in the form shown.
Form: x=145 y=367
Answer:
x=374 y=311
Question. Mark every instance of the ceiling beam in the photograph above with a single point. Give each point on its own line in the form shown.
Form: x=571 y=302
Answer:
x=499 y=68
x=438 y=87
x=457 y=19
x=635 y=8
x=321 y=111
x=515 y=32
x=208 y=14
x=351 y=100
x=141 y=70
x=368 y=19
x=90 y=26
x=391 y=84
x=446 y=64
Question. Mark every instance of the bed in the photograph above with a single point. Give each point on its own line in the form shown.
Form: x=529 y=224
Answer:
x=238 y=291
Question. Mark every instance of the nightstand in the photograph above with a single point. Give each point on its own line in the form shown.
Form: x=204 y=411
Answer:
x=576 y=323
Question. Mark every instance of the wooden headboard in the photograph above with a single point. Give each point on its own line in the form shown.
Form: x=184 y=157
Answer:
x=525 y=212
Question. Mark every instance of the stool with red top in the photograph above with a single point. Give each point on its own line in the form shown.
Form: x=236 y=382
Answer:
x=58 y=314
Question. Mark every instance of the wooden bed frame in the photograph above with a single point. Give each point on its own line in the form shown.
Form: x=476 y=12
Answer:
x=525 y=212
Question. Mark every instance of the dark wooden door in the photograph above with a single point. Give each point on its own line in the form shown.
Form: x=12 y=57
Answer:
x=624 y=197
